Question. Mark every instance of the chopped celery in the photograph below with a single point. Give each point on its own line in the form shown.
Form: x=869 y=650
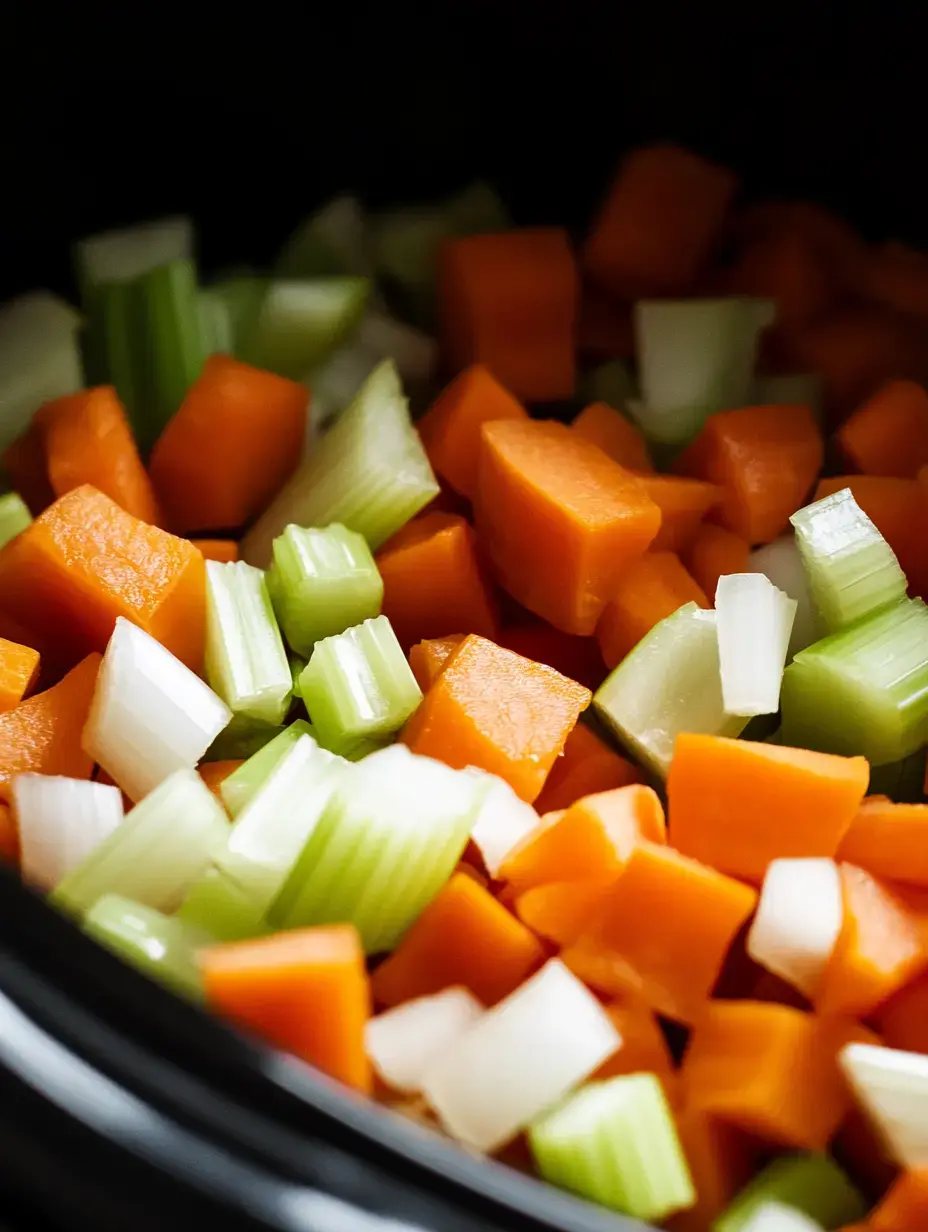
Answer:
x=298 y=325
x=333 y=241
x=162 y=947
x=799 y=389
x=245 y=658
x=296 y=664
x=611 y=383
x=245 y=782
x=813 y=1184
x=240 y=296
x=242 y=738
x=615 y=1143
x=387 y=842
x=863 y=690
x=173 y=338
x=666 y=434
x=216 y=905
x=14 y=516
x=322 y=582
x=369 y=473
x=754 y=621
x=114 y=352
x=124 y=255
x=852 y=570
x=670 y=683
x=39 y=358
x=162 y=847
x=215 y=323
x=892 y=1088
x=781 y=563
x=358 y=686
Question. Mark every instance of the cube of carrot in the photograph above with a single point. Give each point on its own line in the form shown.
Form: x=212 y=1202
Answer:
x=650 y=590
x=888 y=434
x=428 y=658
x=587 y=765
x=615 y=435
x=19 y=667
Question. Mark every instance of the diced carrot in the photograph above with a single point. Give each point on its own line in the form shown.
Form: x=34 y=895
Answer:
x=510 y=301
x=663 y=931
x=237 y=436
x=896 y=278
x=737 y=805
x=493 y=709
x=859 y=1149
x=714 y=553
x=561 y=911
x=660 y=222
x=683 y=504
x=223 y=550
x=888 y=434
x=905 y=1206
x=903 y=1020
x=464 y=937
x=644 y=1047
x=433 y=584
x=43 y=735
x=215 y=773
x=83 y=563
x=721 y=1160
x=467 y=869
x=575 y=657
x=19 y=667
x=450 y=429
x=605 y=329
x=889 y=840
x=9 y=836
x=586 y=766
x=789 y=269
x=615 y=435
x=88 y=440
x=830 y=236
x=306 y=991
x=878 y=949
x=652 y=588
x=766 y=458
x=559 y=519
x=591 y=839
x=770 y=1070
x=24 y=463
x=428 y=658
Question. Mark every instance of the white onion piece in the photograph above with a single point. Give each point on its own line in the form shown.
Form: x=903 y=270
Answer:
x=519 y=1058
x=151 y=715
x=798 y=920
x=60 y=821
x=775 y=1217
x=503 y=821
x=892 y=1086
x=404 y=1042
x=781 y=563
x=754 y=621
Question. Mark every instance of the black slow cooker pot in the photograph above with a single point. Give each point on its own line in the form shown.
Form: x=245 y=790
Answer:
x=122 y=1108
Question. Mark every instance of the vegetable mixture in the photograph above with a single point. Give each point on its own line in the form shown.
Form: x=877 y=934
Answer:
x=560 y=784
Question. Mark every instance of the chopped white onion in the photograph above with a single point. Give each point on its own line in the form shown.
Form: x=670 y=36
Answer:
x=892 y=1086
x=798 y=920
x=520 y=1058
x=503 y=821
x=781 y=563
x=754 y=621
x=60 y=821
x=39 y=358
x=775 y=1217
x=151 y=715
x=404 y=1042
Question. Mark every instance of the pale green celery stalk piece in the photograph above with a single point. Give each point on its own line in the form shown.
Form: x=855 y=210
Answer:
x=242 y=738
x=852 y=570
x=358 y=686
x=386 y=843
x=792 y=389
x=14 y=517
x=115 y=352
x=215 y=323
x=813 y=1184
x=331 y=242
x=299 y=324
x=215 y=904
x=322 y=582
x=863 y=690
x=615 y=1143
x=160 y=946
x=667 y=433
x=39 y=358
x=297 y=663
x=240 y=296
x=369 y=473
x=670 y=683
x=612 y=383
x=244 y=783
x=165 y=843
x=127 y=254
x=173 y=337
x=246 y=662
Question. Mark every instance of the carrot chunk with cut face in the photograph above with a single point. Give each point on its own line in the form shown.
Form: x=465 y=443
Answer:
x=559 y=519
x=615 y=435
x=889 y=840
x=888 y=434
x=85 y=562
x=19 y=667
x=575 y=657
x=683 y=504
x=903 y=1019
x=428 y=658
x=586 y=766
x=721 y=1161
x=236 y=438
x=561 y=911
x=493 y=709
x=766 y=458
x=651 y=589
x=223 y=550
x=905 y=1207
x=737 y=805
x=463 y=938
x=714 y=553
x=24 y=463
x=644 y=1048
x=787 y=268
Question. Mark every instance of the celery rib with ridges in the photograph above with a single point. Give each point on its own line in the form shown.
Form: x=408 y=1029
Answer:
x=245 y=658
x=244 y=783
x=358 y=687
x=852 y=570
x=299 y=324
x=322 y=582
x=812 y=1184
x=220 y=907
x=127 y=254
x=160 y=946
x=369 y=473
x=14 y=517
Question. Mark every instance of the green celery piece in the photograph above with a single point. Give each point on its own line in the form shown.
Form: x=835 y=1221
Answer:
x=246 y=662
x=333 y=241
x=297 y=663
x=321 y=582
x=812 y=1184
x=242 y=738
x=165 y=843
x=358 y=686
x=127 y=254
x=386 y=843
x=240 y=296
x=215 y=904
x=300 y=324
x=369 y=472
x=160 y=946
x=852 y=570
x=39 y=358
x=245 y=782
x=173 y=338
x=115 y=354
x=670 y=683
x=863 y=690
x=14 y=517
x=611 y=383
x=615 y=1143
x=216 y=323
